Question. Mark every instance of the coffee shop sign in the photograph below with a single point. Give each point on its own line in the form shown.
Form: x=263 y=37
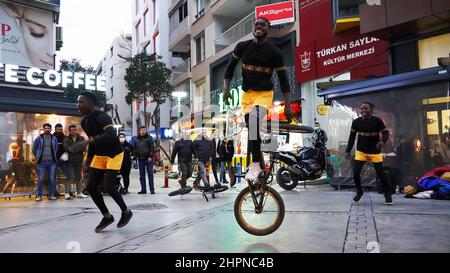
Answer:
x=53 y=78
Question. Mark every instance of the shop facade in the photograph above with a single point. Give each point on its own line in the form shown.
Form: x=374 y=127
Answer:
x=28 y=99
x=401 y=76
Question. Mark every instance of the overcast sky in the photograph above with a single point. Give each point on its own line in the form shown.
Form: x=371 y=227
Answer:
x=90 y=26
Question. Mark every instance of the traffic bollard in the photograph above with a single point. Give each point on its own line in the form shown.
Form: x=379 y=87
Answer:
x=239 y=172
x=166 y=176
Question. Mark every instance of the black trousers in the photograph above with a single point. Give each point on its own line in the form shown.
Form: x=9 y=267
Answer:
x=380 y=174
x=108 y=179
x=125 y=172
x=215 y=163
x=254 y=121
x=186 y=170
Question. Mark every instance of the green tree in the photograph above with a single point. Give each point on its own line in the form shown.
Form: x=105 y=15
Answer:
x=71 y=93
x=148 y=77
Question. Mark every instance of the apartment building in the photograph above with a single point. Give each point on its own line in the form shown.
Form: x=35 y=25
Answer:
x=151 y=34
x=113 y=66
x=203 y=35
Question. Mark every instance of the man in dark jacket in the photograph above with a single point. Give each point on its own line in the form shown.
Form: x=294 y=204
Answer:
x=45 y=148
x=143 y=150
x=215 y=158
x=226 y=157
x=127 y=162
x=183 y=148
x=75 y=162
x=203 y=149
x=61 y=163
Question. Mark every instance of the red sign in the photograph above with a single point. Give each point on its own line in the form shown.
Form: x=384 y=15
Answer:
x=279 y=13
x=328 y=57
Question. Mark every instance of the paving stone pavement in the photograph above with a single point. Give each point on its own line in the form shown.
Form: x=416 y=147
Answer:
x=318 y=220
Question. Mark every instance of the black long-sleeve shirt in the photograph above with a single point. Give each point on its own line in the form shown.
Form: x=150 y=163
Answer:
x=258 y=64
x=368 y=132
x=99 y=126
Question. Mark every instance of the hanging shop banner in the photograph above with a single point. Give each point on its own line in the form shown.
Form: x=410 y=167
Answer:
x=277 y=14
x=328 y=57
x=26 y=36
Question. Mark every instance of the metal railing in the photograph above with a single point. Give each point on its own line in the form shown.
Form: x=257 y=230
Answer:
x=181 y=69
x=236 y=32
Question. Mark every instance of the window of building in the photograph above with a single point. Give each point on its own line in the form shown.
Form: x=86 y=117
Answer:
x=18 y=132
x=112 y=71
x=346 y=8
x=433 y=48
x=137 y=32
x=200 y=8
x=200 y=48
x=112 y=92
x=178 y=16
x=112 y=51
x=201 y=94
x=145 y=22
x=418 y=124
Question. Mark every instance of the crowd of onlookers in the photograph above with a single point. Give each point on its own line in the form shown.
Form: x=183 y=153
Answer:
x=54 y=154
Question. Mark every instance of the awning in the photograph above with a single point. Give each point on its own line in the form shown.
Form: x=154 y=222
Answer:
x=15 y=99
x=404 y=80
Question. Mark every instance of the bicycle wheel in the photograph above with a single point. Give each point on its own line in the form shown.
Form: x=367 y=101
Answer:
x=259 y=224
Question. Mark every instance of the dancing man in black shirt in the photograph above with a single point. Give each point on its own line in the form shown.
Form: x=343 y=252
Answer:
x=260 y=58
x=105 y=156
x=368 y=128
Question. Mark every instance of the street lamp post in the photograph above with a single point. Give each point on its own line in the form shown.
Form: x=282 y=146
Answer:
x=179 y=95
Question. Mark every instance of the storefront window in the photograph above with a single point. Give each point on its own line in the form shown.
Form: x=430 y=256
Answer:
x=17 y=133
x=418 y=120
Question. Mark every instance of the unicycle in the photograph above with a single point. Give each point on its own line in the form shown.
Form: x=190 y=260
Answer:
x=259 y=209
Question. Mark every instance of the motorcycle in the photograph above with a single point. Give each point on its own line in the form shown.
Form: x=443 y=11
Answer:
x=309 y=164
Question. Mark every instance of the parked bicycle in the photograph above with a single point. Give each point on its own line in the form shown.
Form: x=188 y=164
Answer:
x=200 y=186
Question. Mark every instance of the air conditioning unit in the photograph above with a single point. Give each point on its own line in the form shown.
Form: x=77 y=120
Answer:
x=59 y=38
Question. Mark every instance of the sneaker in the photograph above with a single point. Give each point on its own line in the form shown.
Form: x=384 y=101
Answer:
x=388 y=200
x=182 y=183
x=82 y=195
x=125 y=218
x=225 y=182
x=142 y=192
x=38 y=199
x=67 y=196
x=52 y=198
x=253 y=171
x=196 y=186
x=357 y=197
x=152 y=192
x=104 y=223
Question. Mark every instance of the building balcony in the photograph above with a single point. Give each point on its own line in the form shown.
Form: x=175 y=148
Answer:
x=180 y=37
x=235 y=33
x=346 y=14
x=392 y=21
x=241 y=29
x=181 y=73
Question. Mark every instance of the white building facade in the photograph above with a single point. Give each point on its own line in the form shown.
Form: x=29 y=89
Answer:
x=113 y=66
x=151 y=34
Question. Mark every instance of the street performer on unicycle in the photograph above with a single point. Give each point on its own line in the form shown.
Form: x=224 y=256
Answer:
x=260 y=58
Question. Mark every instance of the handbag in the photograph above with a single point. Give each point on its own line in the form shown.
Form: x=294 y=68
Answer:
x=64 y=156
